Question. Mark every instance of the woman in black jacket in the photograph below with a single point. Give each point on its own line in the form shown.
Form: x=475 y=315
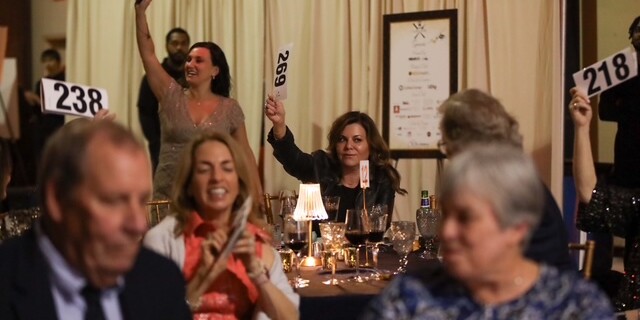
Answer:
x=353 y=137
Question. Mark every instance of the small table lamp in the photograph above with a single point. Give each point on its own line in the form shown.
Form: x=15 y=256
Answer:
x=308 y=208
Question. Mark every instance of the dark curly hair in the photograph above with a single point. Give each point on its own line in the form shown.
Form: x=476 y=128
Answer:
x=379 y=155
x=222 y=83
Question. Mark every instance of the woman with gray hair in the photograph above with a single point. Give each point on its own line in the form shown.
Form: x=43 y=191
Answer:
x=491 y=201
x=472 y=116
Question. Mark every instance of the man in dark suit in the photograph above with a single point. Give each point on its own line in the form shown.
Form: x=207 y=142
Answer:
x=177 y=45
x=83 y=259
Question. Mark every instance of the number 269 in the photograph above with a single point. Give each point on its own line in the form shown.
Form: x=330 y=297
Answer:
x=281 y=69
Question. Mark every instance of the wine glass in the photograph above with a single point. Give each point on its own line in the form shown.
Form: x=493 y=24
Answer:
x=332 y=239
x=378 y=224
x=288 y=200
x=428 y=224
x=402 y=235
x=357 y=232
x=331 y=204
x=377 y=211
x=295 y=238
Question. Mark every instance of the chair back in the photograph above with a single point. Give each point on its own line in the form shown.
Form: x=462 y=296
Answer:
x=587 y=260
x=156 y=210
x=268 y=213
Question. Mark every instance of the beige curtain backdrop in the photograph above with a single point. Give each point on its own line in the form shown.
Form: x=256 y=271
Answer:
x=509 y=48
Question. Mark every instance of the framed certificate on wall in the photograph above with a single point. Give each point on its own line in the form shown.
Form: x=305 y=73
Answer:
x=420 y=71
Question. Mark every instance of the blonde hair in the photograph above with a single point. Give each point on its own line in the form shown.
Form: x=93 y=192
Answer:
x=183 y=202
x=473 y=116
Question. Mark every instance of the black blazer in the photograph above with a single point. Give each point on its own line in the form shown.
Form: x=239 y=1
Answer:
x=317 y=167
x=154 y=288
x=549 y=242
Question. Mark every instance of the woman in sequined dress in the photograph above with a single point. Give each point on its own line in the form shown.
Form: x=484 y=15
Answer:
x=204 y=105
x=605 y=207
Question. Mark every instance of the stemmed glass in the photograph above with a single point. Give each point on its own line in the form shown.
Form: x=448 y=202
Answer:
x=288 y=202
x=295 y=238
x=402 y=235
x=331 y=204
x=357 y=232
x=332 y=239
x=428 y=225
x=378 y=225
x=377 y=219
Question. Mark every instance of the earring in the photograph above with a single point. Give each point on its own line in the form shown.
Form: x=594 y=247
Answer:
x=213 y=77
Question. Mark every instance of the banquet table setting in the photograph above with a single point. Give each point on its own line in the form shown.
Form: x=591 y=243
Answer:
x=347 y=298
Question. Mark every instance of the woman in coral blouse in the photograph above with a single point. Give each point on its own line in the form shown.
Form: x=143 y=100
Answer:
x=212 y=184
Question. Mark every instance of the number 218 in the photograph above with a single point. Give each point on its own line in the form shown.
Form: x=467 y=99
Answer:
x=621 y=72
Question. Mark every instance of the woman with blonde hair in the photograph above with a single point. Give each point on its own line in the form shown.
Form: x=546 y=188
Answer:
x=212 y=183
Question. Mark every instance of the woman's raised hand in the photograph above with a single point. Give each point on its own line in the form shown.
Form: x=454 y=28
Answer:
x=103 y=114
x=274 y=110
x=142 y=4
x=580 y=108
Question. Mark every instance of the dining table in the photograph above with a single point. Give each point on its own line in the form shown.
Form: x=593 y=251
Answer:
x=348 y=298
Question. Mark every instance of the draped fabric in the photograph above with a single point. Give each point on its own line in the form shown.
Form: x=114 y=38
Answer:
x=510 y=48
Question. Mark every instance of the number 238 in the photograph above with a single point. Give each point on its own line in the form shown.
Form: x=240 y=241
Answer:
x=94 y=98
x=281 y=77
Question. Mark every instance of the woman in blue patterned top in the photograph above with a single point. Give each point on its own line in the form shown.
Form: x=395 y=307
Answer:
x=491 y=200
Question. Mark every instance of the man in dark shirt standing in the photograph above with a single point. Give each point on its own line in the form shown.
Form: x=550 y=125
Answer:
x=45 y=124
x=177 y=45
x=621 y=104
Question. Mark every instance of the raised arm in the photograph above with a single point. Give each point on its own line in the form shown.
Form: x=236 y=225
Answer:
x=274 y=110
x=297 y=163
x=584 y=172
x=158 y=78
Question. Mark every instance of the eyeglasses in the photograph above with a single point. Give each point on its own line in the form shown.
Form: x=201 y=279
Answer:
x=442 y=146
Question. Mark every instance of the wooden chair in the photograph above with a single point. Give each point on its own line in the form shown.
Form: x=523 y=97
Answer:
x=268 y=212
x=587 y=260
x=155 y=211
x=269 y=215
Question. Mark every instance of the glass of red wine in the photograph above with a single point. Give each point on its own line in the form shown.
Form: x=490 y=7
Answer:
x=378 y=225
x=357 y=232
x=295 y=238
